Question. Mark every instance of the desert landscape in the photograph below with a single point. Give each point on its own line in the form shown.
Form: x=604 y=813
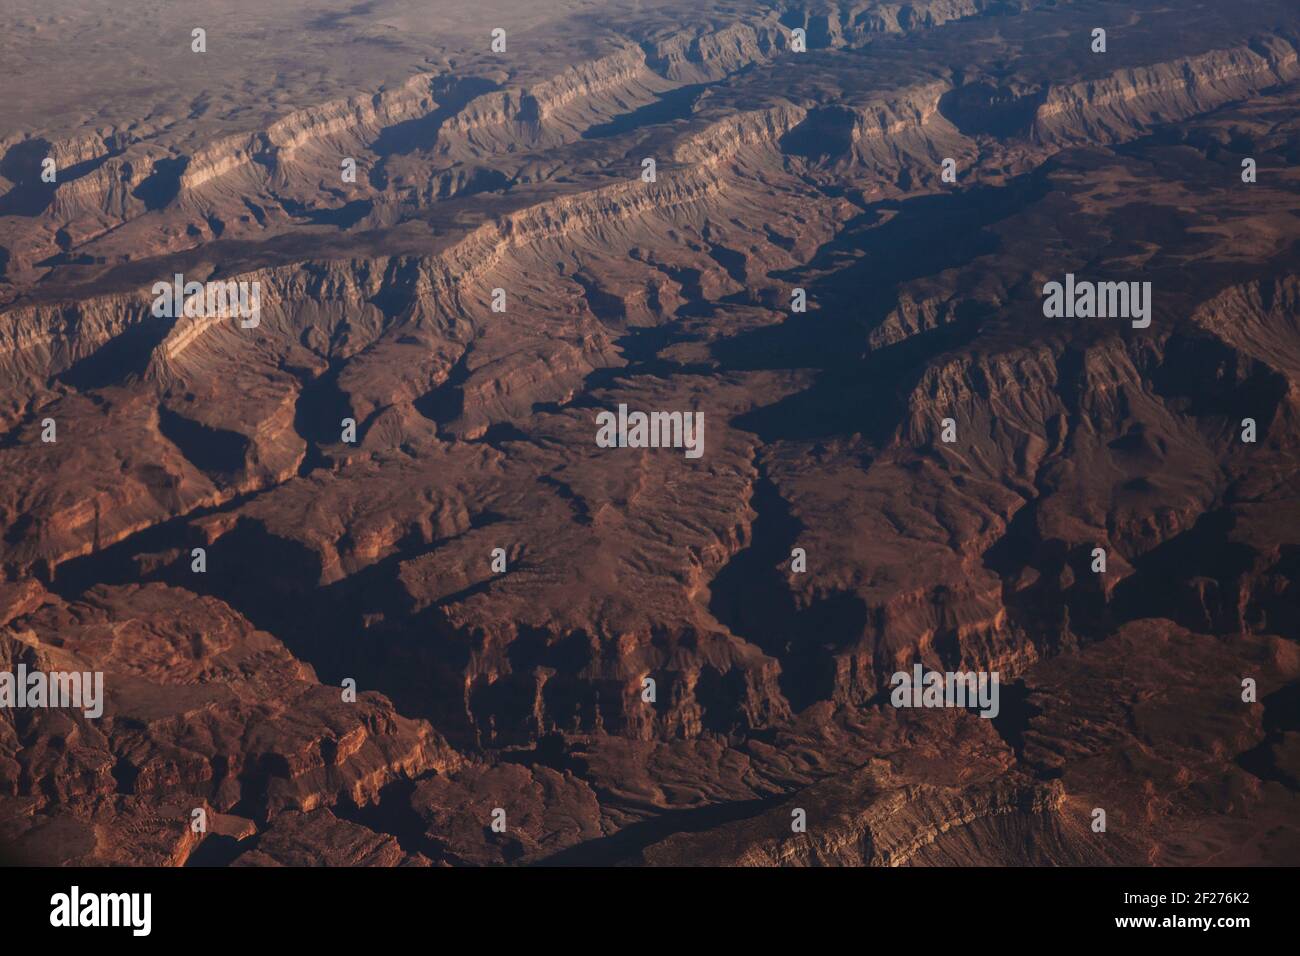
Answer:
x=605 y=401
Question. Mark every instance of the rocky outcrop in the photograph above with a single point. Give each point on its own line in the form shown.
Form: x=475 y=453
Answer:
x=869 y=819
x=1116 y=107
x=198 y=712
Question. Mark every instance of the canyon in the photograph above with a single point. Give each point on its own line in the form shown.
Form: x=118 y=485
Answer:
x=612 y=643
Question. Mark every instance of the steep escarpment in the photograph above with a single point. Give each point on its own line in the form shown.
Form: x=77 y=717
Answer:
x=1108 y=109
x=870 y=819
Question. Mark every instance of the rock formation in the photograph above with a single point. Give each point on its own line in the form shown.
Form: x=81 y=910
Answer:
x=570 y=654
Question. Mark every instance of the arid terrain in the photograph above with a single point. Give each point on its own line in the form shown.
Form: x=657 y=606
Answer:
x=571 y=654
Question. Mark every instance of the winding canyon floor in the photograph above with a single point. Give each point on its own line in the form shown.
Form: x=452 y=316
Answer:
x=497 y=273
